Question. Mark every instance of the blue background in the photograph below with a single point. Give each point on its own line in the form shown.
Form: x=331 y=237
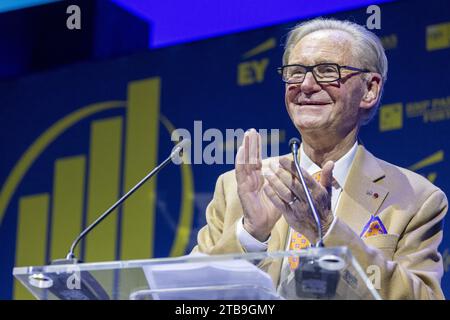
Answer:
x=199 y=82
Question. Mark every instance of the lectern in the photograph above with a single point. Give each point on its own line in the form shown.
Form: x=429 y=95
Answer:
x=319 y=273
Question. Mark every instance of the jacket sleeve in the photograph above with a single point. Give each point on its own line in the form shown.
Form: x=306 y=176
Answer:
x=416 y=267
x=214 y=237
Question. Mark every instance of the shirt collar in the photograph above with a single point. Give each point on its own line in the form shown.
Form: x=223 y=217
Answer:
x=341 y=166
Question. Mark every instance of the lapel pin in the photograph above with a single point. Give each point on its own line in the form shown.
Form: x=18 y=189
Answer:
x=375 y=195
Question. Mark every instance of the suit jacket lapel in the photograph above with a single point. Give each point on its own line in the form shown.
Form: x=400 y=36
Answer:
x=361 y=197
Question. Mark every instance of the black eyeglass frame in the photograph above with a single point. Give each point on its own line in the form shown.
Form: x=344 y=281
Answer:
x=310 y=69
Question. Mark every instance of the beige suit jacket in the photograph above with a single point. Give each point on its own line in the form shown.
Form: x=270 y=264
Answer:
x=411 y=208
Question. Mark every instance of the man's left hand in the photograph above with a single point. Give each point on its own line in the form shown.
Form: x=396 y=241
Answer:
x=287 y=194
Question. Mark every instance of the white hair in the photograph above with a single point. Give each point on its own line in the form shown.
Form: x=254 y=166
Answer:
x=367 y=50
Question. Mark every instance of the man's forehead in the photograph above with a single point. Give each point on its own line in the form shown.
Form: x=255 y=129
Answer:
x=323 y=46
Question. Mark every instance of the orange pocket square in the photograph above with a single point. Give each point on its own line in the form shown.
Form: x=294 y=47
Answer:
x=372 y=228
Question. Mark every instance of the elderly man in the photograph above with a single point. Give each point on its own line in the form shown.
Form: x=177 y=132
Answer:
x=388 y=216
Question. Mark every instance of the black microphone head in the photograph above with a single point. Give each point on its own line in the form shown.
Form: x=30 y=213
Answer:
x=185 y=143
x=177 y=151
x=294 y=141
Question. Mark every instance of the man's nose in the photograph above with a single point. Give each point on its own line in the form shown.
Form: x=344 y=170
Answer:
x=309 y=84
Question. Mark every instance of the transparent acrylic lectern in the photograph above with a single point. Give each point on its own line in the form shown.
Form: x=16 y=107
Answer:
x=314 y=273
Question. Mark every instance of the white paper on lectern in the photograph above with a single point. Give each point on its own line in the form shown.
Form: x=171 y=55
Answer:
x=203 y=274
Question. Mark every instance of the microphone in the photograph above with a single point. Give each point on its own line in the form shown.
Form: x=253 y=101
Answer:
x=318 y=275
x=176 y=153
x=88 y=286
x=294 y=144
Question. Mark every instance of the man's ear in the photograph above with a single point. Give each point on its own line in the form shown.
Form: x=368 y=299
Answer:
x=372 y=91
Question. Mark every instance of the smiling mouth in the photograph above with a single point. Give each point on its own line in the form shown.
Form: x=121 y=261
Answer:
x=312 y=103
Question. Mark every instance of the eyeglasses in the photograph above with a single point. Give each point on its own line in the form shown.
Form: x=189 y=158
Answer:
x=322 y=72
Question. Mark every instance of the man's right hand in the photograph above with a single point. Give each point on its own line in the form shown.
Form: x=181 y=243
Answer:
x=260 y=215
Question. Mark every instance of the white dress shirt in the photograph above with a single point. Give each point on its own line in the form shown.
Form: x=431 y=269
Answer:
x=340 y=173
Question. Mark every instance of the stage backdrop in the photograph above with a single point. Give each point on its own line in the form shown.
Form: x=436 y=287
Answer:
x=73 y=140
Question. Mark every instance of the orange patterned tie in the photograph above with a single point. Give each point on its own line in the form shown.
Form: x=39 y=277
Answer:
x=299 y=241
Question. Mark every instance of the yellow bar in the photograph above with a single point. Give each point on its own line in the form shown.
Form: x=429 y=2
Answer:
x=68 y=200
x=31 y=236
x=103 y=187
x=140 y=157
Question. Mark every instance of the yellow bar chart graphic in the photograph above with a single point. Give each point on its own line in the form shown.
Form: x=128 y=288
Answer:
x=103 y=187
x=68 y=200
x=121 y=152
x=140 y=155
x=31 y=235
